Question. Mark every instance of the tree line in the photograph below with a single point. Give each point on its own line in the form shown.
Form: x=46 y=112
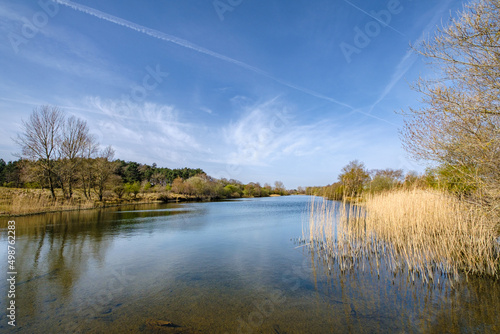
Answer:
x=60 y=153
x=10 y=174
x=356 y=180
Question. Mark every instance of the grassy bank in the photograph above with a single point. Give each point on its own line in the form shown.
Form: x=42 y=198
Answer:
x=17 y=202
x=20 y=201
x=421 y=232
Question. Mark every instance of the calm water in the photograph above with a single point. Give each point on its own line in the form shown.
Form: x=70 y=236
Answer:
x=214 y=268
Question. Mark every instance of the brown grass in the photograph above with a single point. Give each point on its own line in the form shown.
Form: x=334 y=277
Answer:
x=30 y=201
x=420 y=232
x=17 y=202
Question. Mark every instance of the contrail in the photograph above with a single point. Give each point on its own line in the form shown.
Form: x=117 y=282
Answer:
x=373 y=17
x=186 y=44
x=155 y=34
x=405 y=64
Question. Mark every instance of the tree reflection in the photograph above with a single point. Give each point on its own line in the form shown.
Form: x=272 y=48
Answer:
x=54 y=251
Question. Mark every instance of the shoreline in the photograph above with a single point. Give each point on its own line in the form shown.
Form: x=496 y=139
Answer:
x=160 y=198
x=3 y=215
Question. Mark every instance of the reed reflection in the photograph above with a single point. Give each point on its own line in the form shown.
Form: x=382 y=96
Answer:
x=367 y=298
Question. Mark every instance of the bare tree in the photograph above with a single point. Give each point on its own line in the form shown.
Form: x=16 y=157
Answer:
x=459 y=125
x=40 y=138
x=279 y=188
x=104 y=169
x=385 y=179
x=74 y=141
x=86 y=168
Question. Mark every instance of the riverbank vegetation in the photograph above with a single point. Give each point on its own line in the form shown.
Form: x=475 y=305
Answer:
x=63 y=167
x=447 y=220
x=421 y=233
x=100 y=183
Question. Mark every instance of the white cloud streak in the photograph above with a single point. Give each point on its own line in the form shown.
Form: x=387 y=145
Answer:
x=186 y=44
x=268 y=132
x=373 y=17
x=157 y=34
x=409 y=58
x=146 y=125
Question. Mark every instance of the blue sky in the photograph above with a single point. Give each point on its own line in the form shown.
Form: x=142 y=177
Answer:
x=251 y=90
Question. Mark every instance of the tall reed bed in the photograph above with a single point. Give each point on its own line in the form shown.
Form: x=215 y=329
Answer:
x=28 y=201
x=421 y=232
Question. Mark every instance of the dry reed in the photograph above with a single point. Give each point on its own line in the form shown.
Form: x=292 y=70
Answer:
x=16 y=201
x=30 y=201
x=421 y=232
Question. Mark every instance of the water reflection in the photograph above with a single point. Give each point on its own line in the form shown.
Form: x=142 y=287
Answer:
x=54 y=250
x=371 y=302
x=216 y=268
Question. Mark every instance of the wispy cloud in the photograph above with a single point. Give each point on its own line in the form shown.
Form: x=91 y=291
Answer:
x=146 y=131
x=7 y=14
x=403 y=66
x=207 y=110
x=269 y=131
x=52 y=46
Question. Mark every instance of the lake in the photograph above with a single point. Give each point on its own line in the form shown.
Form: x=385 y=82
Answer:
x=215 y=267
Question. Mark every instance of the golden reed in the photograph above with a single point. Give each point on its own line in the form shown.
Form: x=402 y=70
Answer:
x=421 y=232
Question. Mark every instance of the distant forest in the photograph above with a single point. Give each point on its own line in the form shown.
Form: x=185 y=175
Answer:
x=11 y=174
x=131 y=178
x=60 y=154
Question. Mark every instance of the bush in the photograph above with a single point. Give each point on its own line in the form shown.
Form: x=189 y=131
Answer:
x=146 y=185
x=32 y=185
x=119 y=191
x=133 y=188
